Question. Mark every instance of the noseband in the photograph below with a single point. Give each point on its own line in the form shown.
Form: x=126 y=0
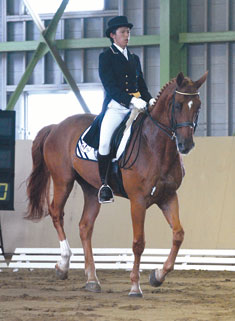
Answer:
x=171 y=131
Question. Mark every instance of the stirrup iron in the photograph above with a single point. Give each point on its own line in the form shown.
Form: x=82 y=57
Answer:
x=105 y=194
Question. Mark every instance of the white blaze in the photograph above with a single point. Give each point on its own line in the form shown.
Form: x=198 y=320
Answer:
x=190 y=104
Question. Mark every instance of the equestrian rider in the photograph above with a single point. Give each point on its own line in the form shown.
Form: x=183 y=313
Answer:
x=121 y=75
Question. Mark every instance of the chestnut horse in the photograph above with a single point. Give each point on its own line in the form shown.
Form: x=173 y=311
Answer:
x=154 y=176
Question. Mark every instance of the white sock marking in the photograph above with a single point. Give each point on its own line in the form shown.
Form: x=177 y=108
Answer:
x=65 y=255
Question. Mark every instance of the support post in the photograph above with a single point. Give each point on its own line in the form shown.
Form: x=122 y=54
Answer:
x=173 y=55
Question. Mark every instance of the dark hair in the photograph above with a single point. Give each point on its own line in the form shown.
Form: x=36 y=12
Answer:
x=113 y=32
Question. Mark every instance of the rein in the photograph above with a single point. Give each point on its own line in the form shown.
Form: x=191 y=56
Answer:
x=125 y=158
x=171 y=131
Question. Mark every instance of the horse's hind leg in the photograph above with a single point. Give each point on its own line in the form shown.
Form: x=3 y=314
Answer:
x=86 y=225
x=171 y=213
x=56 y=209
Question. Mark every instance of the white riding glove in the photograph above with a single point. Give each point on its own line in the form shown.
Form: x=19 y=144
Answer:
x=152 y=101
x=138 y=103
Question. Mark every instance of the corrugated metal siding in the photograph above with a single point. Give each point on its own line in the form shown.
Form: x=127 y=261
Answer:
x=145 y=16
x=218 y=58
x=14 y=7
x=15 y=31
x=1 y=29
x=196 y=69
x=73 y=59
x=217 y=116
x=232 y=14
x=133 y=9
x=217 y=67
x=152 y=17
x=152 y=69
x=93 y=28
x=91 y=63
x=15 y=67
x=196 y=16
x=32 y=32
x=73 y=29
x=217 y=16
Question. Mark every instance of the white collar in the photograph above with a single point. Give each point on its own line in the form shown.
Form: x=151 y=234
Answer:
x=123 y=51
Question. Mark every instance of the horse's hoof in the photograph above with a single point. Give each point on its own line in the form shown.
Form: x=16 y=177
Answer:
x=135 y=295
x=93 y=286
x=62 y=275
x=152 y=279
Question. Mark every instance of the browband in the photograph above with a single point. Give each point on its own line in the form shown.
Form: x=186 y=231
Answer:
x=187 y=94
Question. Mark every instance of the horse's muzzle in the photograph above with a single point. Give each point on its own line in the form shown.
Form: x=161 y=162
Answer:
x=185 y=145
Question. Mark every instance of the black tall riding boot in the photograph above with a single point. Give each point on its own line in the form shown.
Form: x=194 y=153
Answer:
x=105 y=194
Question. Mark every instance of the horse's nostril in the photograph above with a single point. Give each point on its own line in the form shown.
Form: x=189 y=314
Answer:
x=180 y=146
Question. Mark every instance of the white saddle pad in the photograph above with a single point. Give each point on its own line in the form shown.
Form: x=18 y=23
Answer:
x=85 y=151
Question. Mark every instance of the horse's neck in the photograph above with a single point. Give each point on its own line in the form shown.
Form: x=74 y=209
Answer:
x=160 y=112
x=156 y=139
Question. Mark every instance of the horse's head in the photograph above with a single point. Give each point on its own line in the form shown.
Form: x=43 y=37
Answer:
x=185 y=109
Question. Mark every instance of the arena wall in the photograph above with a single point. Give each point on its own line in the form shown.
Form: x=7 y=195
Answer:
x=206 y=197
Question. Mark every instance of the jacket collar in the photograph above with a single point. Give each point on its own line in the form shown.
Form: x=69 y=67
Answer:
x=115 y=51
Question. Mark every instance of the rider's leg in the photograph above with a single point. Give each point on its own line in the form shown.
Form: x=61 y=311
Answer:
x=112 y=118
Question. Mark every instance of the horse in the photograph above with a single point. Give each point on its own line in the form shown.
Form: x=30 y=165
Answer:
x=153 y=176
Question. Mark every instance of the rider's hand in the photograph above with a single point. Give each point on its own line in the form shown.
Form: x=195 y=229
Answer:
x=152 y=101
x=138 y=103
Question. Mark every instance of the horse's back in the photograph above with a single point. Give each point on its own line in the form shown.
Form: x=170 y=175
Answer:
x=76 y=123
x=72 y=126
x=62 y=139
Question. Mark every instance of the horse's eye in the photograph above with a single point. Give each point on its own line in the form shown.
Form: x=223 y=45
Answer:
x=178 y=106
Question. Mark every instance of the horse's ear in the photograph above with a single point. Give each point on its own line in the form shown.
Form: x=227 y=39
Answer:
x=200 y=81
x=180 y=78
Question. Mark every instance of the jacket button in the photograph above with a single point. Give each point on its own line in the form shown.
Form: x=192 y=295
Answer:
x=127 y=89
x=126 y=82
x=126 y=76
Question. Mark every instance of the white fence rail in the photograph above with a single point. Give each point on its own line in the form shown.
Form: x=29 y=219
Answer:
x=3 y=263
x=122 y=258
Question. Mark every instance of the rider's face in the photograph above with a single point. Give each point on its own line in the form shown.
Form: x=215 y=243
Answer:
x=121 y=37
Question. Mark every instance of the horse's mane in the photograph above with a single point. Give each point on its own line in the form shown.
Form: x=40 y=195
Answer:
x=188 y=80
x=163 y=88
x=161 y=91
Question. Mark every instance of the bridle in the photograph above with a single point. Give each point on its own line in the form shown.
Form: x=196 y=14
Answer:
x=171 y=131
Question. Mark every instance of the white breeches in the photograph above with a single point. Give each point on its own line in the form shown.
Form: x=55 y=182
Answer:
x=113 y=117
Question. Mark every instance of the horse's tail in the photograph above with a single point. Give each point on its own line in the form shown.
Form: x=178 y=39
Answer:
x=38 y=183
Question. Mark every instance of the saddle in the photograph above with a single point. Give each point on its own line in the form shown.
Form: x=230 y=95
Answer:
x=84 y=151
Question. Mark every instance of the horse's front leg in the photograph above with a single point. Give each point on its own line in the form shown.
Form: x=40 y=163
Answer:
x=86 y=225
x=171 y=213
x=138 y=210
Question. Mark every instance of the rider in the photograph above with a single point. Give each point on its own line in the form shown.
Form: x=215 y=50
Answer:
x=122 y=79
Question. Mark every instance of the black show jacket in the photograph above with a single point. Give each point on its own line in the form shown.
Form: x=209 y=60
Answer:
x=120 y=77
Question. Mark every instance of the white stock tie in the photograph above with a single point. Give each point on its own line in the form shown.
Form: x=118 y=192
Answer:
x=125 y=53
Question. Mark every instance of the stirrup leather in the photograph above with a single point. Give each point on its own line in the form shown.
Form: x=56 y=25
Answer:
x=105 y=194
